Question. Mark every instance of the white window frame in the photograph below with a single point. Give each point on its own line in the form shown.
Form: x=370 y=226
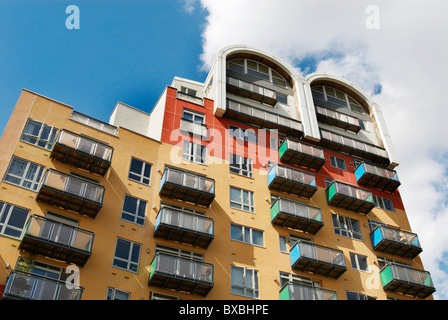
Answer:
x=140 y=176
x=48 y=143
x=252 y=287
x=6 y=212
x=240 y=205
x=132 y=266
x=190 y=152
x=134 y=217
x=345 y=229
x=381 y=202
x=355 y=261
x=34 y=182
x=194 y=116
x=338 y=163
x=249 y=135
x=238 y=166
x=246 y=234
x=112 y=291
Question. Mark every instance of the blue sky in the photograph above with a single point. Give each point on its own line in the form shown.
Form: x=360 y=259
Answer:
x=124 y=51
x=129 y=50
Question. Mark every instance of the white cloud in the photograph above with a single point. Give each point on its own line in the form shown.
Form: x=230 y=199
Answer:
x=188 y=5
x=406 y=56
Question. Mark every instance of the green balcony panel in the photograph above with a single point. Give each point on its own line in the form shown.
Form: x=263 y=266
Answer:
x=82 y=152
x=181 y=274
x=71 y=193
x=301 y=154
x=377 y=177
x=348 y=197
x=184 y=227
x=296 y=291
x=395 y=241
x=292 y=181
x=187 y=186
x=28 y=286
x=57 y=241
x=309 y=257
x=407 y=281
x=296 y=215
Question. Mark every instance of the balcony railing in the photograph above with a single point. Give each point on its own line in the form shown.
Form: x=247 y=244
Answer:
x=338 y=119
x=317 y=259
x=407 y=280
x=292 y=181
x=296 y=291
x=187 y=186
x=352 y=198
x=190 y=98
x=353 y=147
x=181 y=274
x=296 y=215
x=395 y=241
x=250 y=90
x=184 y=227
x=195 y=128
x=301 y=154
x=82 y=152
x=265 y=119
x=377 y=177
x=94 y=123
x=28 y=286
x=57 y=241
x=71 y=193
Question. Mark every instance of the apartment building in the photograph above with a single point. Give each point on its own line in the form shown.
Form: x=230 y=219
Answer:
x=256 y=184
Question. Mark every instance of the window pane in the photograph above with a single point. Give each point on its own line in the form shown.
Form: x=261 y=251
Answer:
x=237 y=276
x=236 y=233
x=257 y=237
x=122 y=249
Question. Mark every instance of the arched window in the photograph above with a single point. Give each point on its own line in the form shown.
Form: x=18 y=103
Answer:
x=326 y=93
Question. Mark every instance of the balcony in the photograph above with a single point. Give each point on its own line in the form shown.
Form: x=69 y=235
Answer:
x=28 y=286
x=181 y=274
x=82 y=152
x=251 y=91
x=296 y=215
x=302 y=155
x=309 y=257
x=377 y=177
x=57 y=241
x=338 y=119
x=188 y=187
x=184 y=227
x=353 y=147
x=265 y=119
x=348 y=197
x=395 y=241
x=406 y=280
x=192 y=127
x=296 y=291
x=71 y=193
x=292 y=181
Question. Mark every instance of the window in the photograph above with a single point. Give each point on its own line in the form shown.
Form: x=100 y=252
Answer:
x=358 y=296
x=193 y=116
x=291 y=277
x=244 y=134
x=281 y=98
x=115 y=294
x=338 y=97
x=244 y=281
x=127 y=255
x=241 y=165
x=247 y=235
x=12 y=220
x=373 y=224
x=140 y=171
x=242 y=199
x=194 y=152
x=383 y=203
x=179 y=252
x=359 y=262
x=188 y=91
x=347 y=227
x=337 y=163
x=283 y=242
x=133 y=210
x=382 y=262
x=24 y=173
x=39 y=134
